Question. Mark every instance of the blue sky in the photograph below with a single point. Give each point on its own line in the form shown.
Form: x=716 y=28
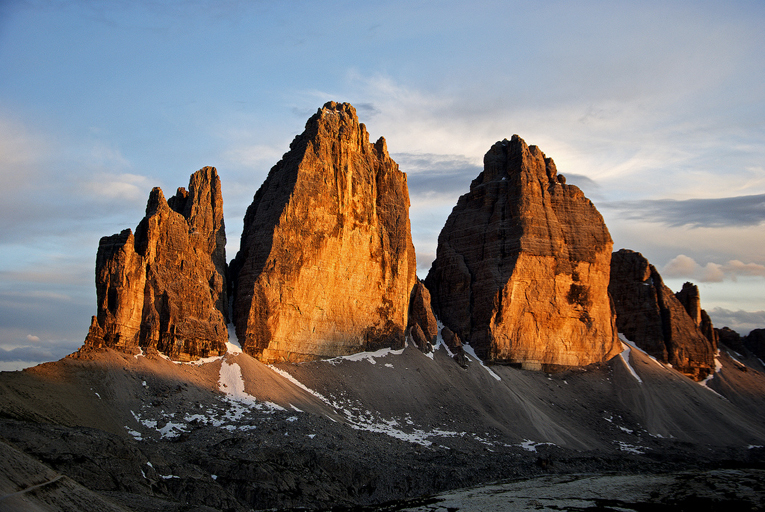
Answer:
x=655 y=109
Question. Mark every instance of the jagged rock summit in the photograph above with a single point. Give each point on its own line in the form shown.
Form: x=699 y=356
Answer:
x=164 y=288
x=522 y=265
x=651 y=316
x=326 y=262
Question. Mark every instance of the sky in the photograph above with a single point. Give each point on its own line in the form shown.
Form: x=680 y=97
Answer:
x=656 y=110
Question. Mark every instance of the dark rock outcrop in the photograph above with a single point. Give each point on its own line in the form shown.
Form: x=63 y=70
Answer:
x=690 y=298
x=164 y=288
x=730 y=339
x=326 y=262
x=422 y=322
x=649 y=314
x=522 y=265
x=755 y=341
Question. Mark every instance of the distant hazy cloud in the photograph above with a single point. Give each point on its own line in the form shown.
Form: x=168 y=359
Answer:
x=432 y=174
x=685 y=267
x=721 y=212
x=424 y=262
x=740 y=321
x=366 y=110
x=40 y=352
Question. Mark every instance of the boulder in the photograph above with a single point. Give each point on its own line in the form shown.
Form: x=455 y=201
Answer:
x=164 y=287
x=522 y=265
x=326 y=263
x=649 y=314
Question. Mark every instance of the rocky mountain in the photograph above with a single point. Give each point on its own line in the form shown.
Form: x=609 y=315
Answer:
x=522 y=265
x=651 y=316
x=326 y=264
x=164 y=287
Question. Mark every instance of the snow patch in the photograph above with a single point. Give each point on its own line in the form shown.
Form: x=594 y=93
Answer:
x=139 y=354
x=631 y=448
x=632 y=345
x=469 y=351
x=299 y=384
x=368 y=356
x=708 y=378
x=232 y=345
x=531 y=446
x=136 y=435
x=625 y=355
x=205 y=360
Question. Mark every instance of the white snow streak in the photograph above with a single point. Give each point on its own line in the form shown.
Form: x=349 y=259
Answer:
x=469 y=351
x=625 y=355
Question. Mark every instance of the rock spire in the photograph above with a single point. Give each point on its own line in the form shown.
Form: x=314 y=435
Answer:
x=649 y=314
x=164 y=287
x=522 y=265
x=326 y=262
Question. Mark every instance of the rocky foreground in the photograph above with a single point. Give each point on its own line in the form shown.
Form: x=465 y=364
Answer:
x=229 y=433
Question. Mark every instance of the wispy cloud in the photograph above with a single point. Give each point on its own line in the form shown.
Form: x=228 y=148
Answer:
x=715 y=213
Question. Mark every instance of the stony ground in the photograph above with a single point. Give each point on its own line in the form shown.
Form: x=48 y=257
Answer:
x=372 y=430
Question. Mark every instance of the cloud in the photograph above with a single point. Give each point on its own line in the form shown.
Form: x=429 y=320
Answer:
x=685 y=267
x=430 y=174
x=740 y=321
x=39 y=353
x=715 y=213
x=125 y=186
x=33 y=338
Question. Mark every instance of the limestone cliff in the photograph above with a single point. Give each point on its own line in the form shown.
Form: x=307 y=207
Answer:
x=649 y=314
x=326 y=264
x=164 y=288
x=522 y=265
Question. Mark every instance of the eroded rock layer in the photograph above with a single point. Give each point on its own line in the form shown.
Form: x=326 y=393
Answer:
x=326 y=264
x=649 y=314
x=522 y=265
x=164 y=288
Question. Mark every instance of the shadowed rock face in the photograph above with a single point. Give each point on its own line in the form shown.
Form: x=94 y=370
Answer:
x=690 y=298
x=422 y=322
x=649 y=314
x=164 y=288
x=522 y=265
x=326 y=264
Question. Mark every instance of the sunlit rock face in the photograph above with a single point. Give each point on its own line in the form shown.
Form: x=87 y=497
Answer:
x=649 y=314
x=164 y=288
x=326 y=264
x=522 y=265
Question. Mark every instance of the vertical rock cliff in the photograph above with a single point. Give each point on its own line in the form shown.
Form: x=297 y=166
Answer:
x=522 y=265
x=164 y=288
x=326 y=264
x=690 y=298
x=649 y=314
